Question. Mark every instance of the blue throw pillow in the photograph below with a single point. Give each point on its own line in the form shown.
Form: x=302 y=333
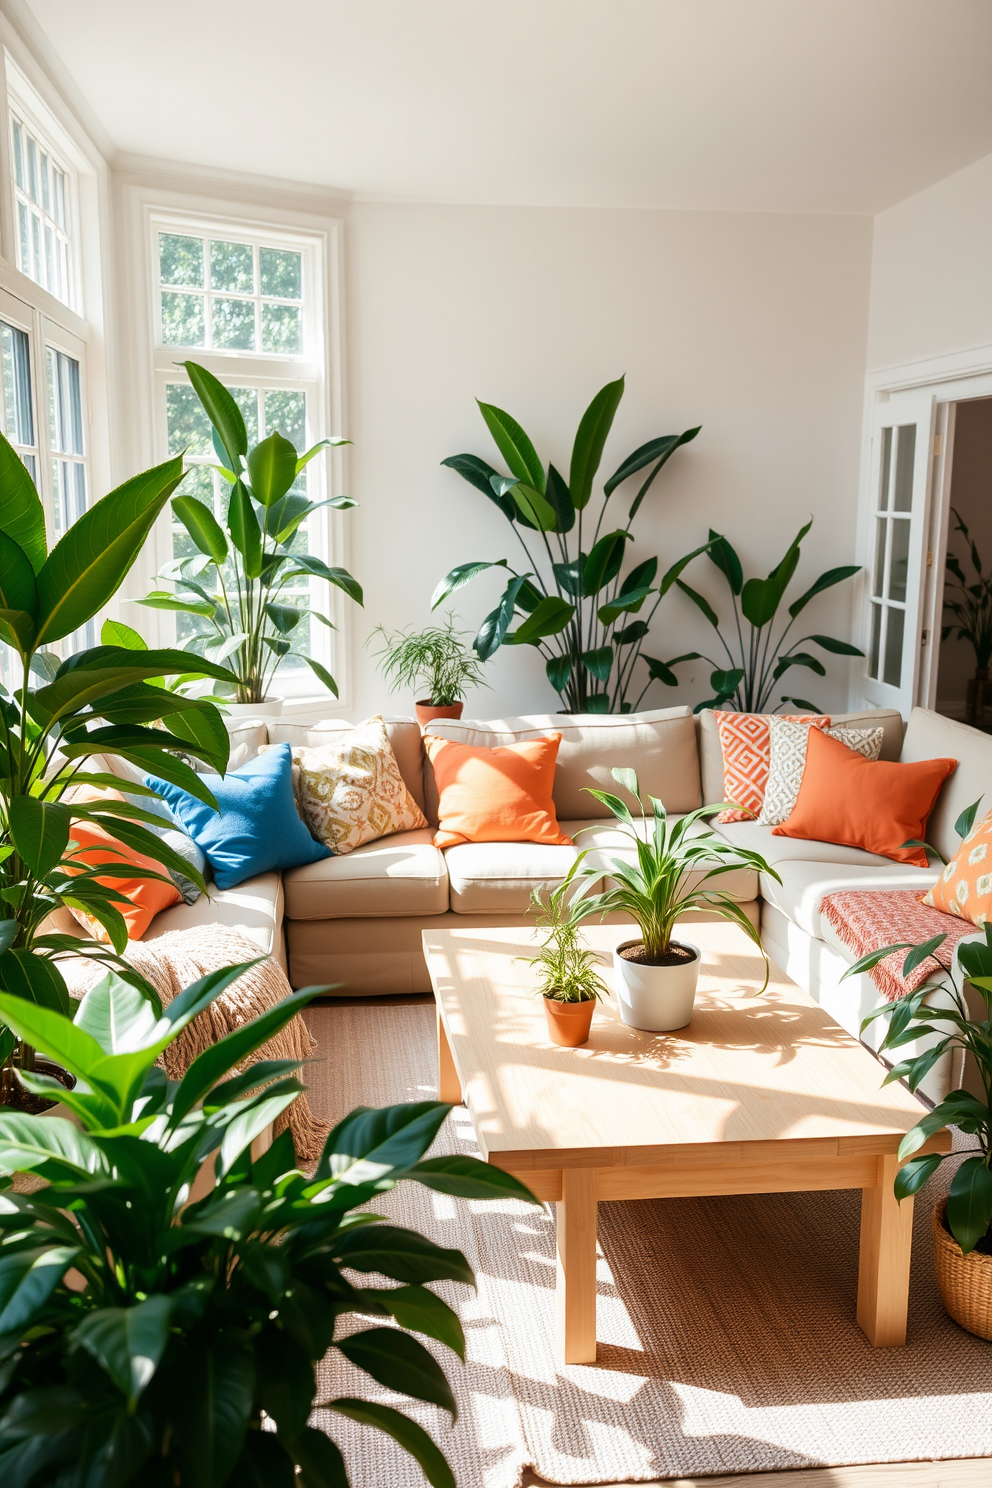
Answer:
x=258 y=827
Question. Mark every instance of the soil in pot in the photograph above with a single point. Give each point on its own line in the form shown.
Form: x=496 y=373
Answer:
x=676 y=955
x=14 y=1097
x=569 y=1022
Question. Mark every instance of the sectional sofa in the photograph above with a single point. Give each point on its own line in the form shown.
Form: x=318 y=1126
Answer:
x=357 y=919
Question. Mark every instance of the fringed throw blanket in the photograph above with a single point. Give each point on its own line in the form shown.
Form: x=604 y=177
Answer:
x=866 y=921
x=172 y=961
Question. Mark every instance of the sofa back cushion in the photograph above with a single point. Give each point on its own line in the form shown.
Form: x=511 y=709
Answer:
x=929 y=735
x=660 y=746
x=711 y=755
x=403 y=734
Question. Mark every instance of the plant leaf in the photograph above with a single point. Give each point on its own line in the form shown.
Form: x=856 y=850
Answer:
x=202 y=526
x=405 y=1433
x=272 y=469
x=128 y=1342
x=40 y=830
x=462 y=574
x=590 y=438
x=22 y=516
x=222 y=411
x=969 y=1202
x=514 y=445
x=549 y=618
x=825 y=581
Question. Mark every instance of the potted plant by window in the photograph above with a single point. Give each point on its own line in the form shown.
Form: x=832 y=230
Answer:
x=241 y=589
x=969 y=610
x=58 y=714
x=567 y=976
x=436 y=661
x=959 y=1019
x=149 y=1340
x=672 y=872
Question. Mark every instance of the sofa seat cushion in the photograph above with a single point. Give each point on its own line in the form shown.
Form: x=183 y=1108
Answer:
x=606 y=840
x=499 y=877
x=805 y=885
x=254 y=907
x=776 y=850
x=403 y=874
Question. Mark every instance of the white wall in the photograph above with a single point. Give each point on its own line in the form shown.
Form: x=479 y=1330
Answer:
x=931 y=283
x=752 y=325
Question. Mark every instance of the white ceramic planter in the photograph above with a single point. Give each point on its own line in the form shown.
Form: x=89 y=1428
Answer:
x=655 y=998
x=239 y=713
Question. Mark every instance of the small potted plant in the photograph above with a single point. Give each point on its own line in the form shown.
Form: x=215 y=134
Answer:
x=567 y=978
x=672 y=873
x=962 y=1224
x=436 y=661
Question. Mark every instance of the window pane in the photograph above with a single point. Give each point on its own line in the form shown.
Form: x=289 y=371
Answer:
x=281 y=329
x=40 y=204
x=281 y=273
x=18 y=154
x=65 y=405
x=189 y=427
x=25 y=239
x=18 y=412
x=33 y=170
x=247 y=401
x=881 y=531
x=234 y=323
x=232 y=267
x=182 y=319
x=905 y=459
x=893 y=646
x=876 y=635
x=899 y=560
x=287 y=412
x=180 y=259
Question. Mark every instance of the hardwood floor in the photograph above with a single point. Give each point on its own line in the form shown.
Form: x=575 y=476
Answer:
x=974 y=1472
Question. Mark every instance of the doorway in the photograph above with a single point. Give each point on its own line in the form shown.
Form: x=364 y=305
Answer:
x=963 y=630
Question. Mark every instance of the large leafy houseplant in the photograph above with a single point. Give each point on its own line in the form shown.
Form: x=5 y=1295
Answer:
x=235 y=588
x=104 y=700
x=144 y=1338
x=756 y=657
x=572 y=599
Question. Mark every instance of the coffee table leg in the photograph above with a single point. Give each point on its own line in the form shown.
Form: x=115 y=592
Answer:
x=577 y=1266
x=448 y=1084
x=883 y=1274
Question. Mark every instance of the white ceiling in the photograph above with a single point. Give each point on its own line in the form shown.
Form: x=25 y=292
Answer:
x=767 y=105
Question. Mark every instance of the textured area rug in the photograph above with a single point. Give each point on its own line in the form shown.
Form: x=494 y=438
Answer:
x=727 y=1340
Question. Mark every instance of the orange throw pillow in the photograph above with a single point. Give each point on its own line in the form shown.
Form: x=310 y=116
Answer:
x=745 y=742
x=965 y=886
x=146 y=895
x=495 y=795
x=873 y=804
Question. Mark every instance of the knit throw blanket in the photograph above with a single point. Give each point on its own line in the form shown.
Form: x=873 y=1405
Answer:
x=865 y=921
x=171 y=962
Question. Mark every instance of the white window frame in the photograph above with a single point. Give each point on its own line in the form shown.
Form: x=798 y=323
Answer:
x=150 y=208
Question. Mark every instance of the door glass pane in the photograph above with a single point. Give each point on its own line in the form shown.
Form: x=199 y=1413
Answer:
x=895 y=626
x=65 y=417
x=886 y=470
x=899 y=560
x=881 y=531
x=876 y=636
x=905 y=459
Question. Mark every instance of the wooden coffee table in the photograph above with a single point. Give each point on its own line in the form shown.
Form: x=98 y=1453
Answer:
x=759 y=1094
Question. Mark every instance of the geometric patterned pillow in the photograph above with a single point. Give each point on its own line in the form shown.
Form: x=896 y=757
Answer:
x=788 y=761
x=965 y=886
x=746 y=746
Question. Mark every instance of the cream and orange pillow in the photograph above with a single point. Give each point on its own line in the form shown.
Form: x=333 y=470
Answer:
x=745 y=742
x=495 y=795
x=965 y=886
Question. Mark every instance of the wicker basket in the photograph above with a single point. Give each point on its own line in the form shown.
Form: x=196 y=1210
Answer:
x=965 y=1281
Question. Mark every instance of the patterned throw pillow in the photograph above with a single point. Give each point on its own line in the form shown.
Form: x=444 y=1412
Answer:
x=351 y=791
x=746 y=746
x=965 y=886
x=787 y=761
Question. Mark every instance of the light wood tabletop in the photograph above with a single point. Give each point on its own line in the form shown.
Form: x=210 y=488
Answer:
x=761 y=1093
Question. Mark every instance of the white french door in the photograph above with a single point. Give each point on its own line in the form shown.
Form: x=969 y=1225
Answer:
x=895 y=546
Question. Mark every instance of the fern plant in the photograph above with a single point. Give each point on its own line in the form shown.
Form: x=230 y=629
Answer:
x=566 y=968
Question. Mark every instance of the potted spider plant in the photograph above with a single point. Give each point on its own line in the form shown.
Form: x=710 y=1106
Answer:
x=439 y=661
x=672 y=872
x=567 y=976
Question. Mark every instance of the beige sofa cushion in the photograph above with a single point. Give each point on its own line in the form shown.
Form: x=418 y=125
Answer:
x=711 y=755
x=660 y=746
x=400 y=875
x=499 y=877
x=776 y=850
x=403 y=735
x=804 y=886
x=931 y=736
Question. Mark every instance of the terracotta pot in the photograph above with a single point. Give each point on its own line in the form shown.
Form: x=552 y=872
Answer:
x=965 y=1281
x=655 y=998
x=569 y=1022
x=428 y=711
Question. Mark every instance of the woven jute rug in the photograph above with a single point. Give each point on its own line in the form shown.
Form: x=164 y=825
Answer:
x=727 y=1339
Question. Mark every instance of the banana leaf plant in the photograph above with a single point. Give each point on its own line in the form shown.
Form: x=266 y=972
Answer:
x=757 y=658
x=572 y=597
x=235 y=587
x=105 y=700
x=148 y=1341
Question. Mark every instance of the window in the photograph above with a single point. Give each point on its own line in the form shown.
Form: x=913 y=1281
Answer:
x=248 y=305
x=42 y=209
x=890 y=569
x=65 y=416
x=18 y=405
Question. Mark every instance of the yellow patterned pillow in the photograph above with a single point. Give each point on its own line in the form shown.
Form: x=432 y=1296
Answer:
x=351 y=791
x=965 y=886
